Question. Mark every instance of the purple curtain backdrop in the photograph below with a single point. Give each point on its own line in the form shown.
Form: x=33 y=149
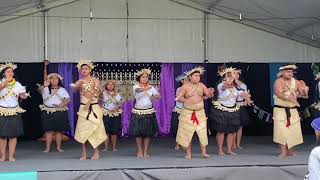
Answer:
x=163 y=106
x=187 y=66
x=70 y=75
x=126 y=116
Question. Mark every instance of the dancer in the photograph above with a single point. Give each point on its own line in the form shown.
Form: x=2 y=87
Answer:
x=192 y=117
x=286 y=121
x=315 y=109
x=244 y=116
x=90 y=125
x=11 y=125
x=112 y=113
x=177 y=109
x=143 y=123
x=225 y=114
x=54 y=108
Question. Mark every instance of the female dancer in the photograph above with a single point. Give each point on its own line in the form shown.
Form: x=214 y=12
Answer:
x=143 y=121
x=11 y=125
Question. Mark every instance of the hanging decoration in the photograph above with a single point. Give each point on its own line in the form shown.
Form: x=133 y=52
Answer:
x=124 y=75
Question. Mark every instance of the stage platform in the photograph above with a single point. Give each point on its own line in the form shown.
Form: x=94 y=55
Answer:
x=257 y=160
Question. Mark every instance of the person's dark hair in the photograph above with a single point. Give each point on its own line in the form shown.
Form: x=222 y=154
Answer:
x=138 y=77
x=59 y=85
x=194 y=73
x=84 y=65
x=106 y=88
x=180 y=83
x=221 y=67
x=2 y=72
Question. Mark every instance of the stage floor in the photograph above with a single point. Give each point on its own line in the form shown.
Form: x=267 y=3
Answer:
x=257 y=151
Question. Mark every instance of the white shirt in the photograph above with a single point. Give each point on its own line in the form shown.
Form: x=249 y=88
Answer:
x=244 y=88
x=231 y=101
x=109 y=102
x=178 y=104
x=55 y=98
x=11 y=101
x=143 y=99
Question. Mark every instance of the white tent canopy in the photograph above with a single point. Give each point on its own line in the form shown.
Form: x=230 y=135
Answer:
x=160 y=30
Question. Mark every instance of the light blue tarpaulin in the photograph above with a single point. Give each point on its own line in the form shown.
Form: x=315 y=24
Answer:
x=19 y=176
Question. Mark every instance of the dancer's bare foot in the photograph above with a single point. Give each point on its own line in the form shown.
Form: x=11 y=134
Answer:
x=221 y=153
x=2 y=159
x=46 y=150
x=139 y=155
x=292 y=153
x=59 y=150
x=236 y=147
x=239 y=147
x=205 y=156
x=115 y=150
x=95 y=156
x=146 y=155
x=106 y=148
x=282 y=155
x=83 y=156
x=12 y=159
x=231 y=153
x=188 y=154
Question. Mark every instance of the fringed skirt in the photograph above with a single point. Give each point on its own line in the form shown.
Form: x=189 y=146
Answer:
x=224 y=119
x=112 y=124
x=244 y=116
x=11 y=126
x=143 y=123
x=55 y=121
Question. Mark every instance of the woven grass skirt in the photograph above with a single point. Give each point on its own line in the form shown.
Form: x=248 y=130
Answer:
x=112 y=124
x=55 y=121
x=11 y=126
x=143 y=124
x=224 y=121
